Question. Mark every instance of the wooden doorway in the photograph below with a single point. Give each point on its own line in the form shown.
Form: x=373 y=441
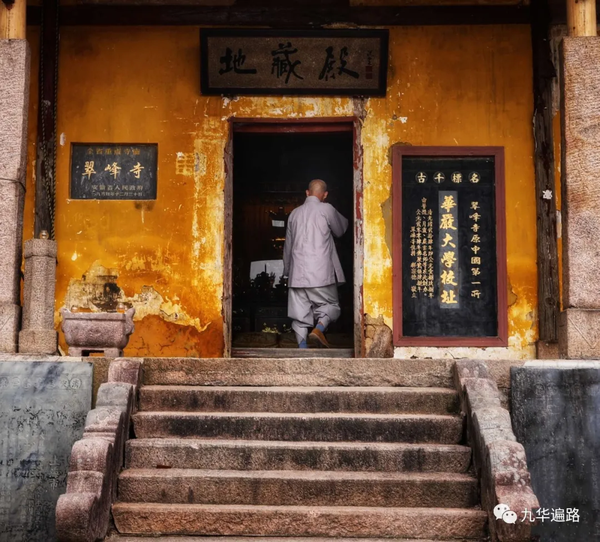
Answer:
x=268 y=165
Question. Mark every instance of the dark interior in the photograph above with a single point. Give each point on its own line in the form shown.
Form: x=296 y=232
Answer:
x=271 y=172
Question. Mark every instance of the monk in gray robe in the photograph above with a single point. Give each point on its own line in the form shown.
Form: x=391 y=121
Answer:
x=312 y=265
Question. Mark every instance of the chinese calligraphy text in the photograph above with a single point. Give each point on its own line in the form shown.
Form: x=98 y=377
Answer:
x=421 y=250
x=448 y=249
x=113 y=172
x=257 y=61
x=449 y=252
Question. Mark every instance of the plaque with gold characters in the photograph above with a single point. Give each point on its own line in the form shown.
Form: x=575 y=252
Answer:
x=110 y=171
x=449 y=247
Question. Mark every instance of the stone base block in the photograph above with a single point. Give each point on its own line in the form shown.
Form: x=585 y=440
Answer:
x=39 y=284
x=378 y=338
x=38 y=341
x=579 y=334
x=78 y=352
x=546 y=350
x=10 y=323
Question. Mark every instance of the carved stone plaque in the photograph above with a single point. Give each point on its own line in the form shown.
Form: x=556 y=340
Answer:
x=556 y=417
x=110 y=171
x=43 y=406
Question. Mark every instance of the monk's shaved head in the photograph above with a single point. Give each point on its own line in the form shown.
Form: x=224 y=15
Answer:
x=317 y=187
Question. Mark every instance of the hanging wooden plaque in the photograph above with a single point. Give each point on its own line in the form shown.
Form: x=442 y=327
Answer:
x=279 y=62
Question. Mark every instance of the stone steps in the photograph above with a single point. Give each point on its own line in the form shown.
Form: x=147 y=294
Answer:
x=334 y=427
x=391 y=400
x=283 y=352
x=326 y=449
x=298 y=488
x=321 y=521
x=301 y=456
x=114 y=537
x=298 y=372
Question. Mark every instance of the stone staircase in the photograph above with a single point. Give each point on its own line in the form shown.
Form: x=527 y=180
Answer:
x=258 y=448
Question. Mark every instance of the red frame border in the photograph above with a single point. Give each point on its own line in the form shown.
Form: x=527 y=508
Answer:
x=498 y=153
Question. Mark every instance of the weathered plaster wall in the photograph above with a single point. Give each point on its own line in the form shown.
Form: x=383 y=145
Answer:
x=466 y=86
x=447 y=86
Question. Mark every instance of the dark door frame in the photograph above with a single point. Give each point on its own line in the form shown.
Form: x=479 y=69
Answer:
x=312 y=125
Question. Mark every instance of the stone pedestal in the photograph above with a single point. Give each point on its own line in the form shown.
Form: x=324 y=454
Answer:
x=378 y=338
x=580 y=116
x=547 y=350
x=14 y=102
x=38 y=335
x=579 y=334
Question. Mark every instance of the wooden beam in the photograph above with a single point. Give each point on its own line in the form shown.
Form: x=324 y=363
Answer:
x=214 y=3
x=13 y=20
x=581 y=17
x=46 y=135
x=303 y=3
x=287 y=17
x=545 y=188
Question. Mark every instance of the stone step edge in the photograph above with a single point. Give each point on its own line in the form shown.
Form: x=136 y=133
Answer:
x=314 y=371
x=410 y=361
x=294 y=415
x=321 y=521
x=416 y=511
x=302 y=389
x=302 y=426
x=345 y=456
x=183 y=538
x=292 y=475
x=299 y=445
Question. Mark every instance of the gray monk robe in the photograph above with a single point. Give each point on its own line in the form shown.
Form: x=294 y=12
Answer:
x=312 y=265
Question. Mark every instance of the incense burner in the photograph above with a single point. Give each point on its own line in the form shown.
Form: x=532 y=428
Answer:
x=104 y=332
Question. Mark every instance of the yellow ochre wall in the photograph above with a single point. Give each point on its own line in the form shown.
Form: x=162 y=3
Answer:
x=467 y=85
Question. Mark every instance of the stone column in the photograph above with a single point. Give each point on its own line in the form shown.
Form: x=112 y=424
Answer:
x=579 y=328
x=14 y=102
x=38 y=335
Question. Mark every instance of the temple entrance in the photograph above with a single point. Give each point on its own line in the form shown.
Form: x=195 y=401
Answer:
x=271 y=171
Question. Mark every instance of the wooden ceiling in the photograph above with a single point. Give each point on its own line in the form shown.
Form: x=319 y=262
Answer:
x=295 y=13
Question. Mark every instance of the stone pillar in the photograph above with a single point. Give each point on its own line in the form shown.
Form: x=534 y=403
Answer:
x=38 y=335
x=579 y=327
x=14 y=102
